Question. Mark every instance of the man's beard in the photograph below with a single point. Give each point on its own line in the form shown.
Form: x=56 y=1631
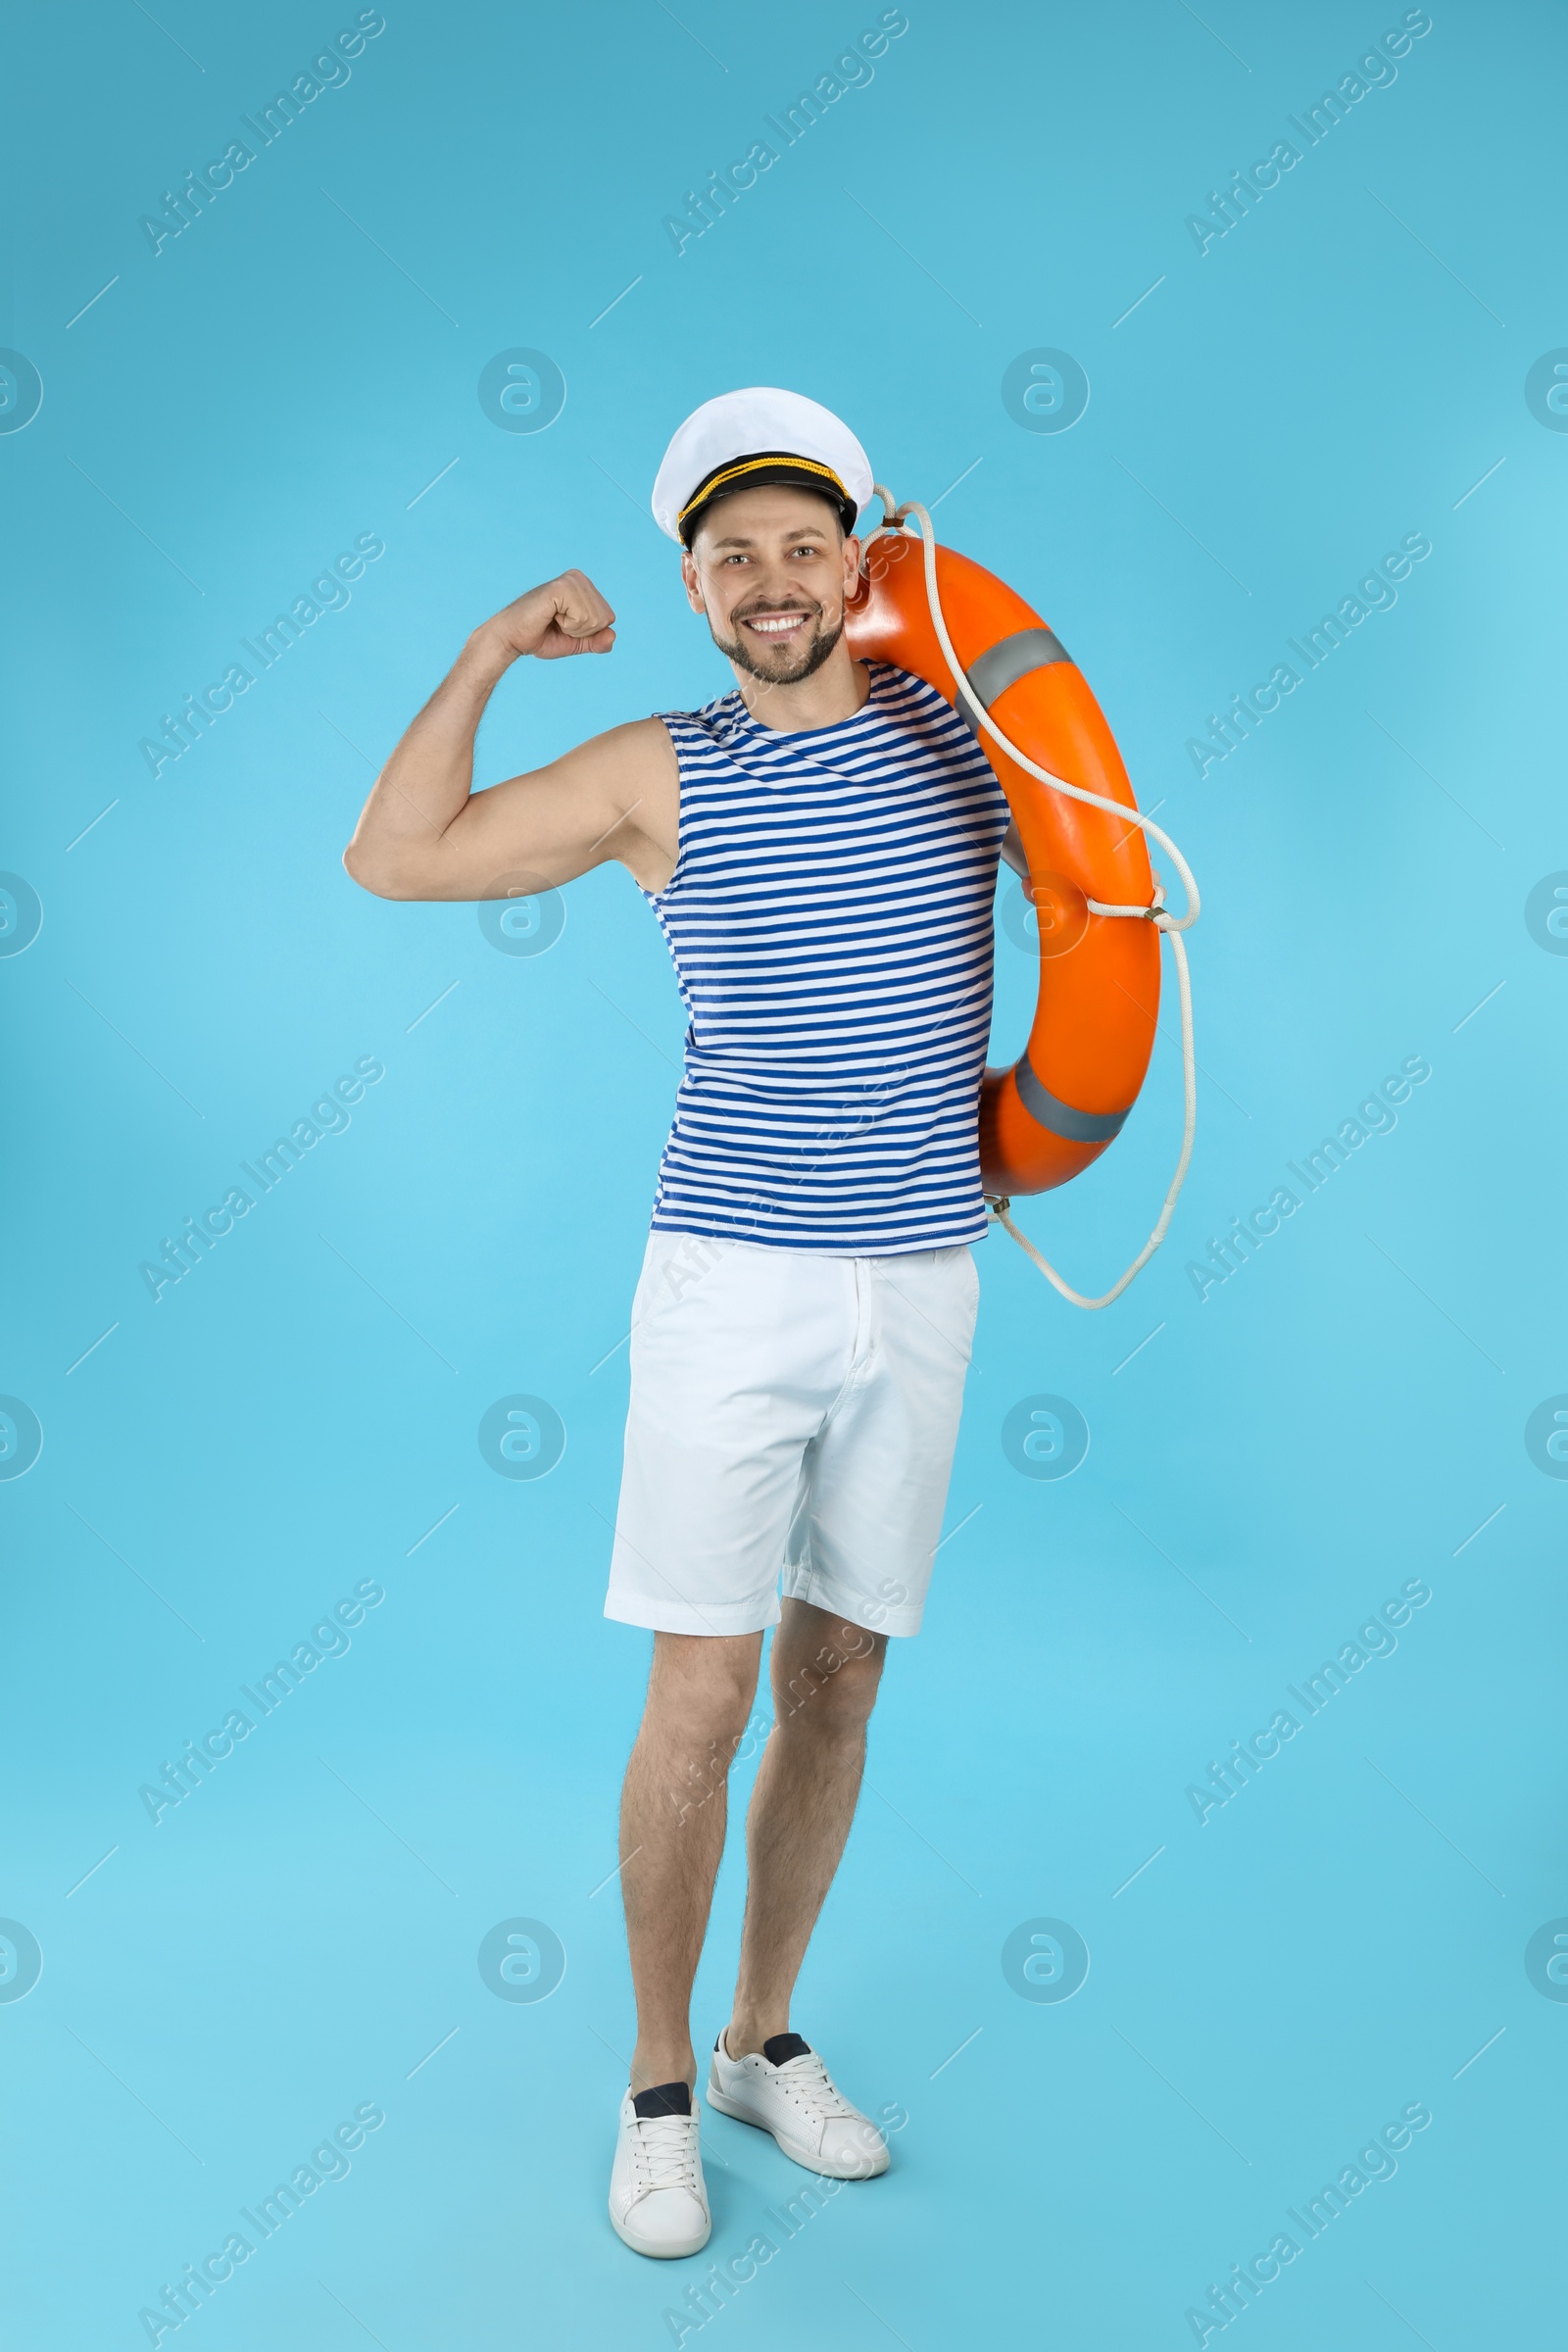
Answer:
x=789 y=666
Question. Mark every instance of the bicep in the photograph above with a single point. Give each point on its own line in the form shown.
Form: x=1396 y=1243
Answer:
x=559 y=821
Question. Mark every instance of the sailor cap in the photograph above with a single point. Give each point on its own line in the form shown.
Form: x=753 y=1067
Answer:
x=752 y=440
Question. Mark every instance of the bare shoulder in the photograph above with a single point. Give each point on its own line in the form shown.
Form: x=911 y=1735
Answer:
x=639 y=753
x=630 y=776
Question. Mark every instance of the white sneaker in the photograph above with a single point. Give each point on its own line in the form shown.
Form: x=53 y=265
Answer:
x=786 y=2090
x=657 y=2197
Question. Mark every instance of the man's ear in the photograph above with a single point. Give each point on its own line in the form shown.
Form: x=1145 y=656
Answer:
x=693 y=586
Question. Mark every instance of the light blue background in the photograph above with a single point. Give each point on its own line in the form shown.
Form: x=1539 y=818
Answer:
x=1339 y=1417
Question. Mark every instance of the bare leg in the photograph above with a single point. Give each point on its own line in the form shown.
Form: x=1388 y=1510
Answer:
x=825 y=1674
x=673 y=1814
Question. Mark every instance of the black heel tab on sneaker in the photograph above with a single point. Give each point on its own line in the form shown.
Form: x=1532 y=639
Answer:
x=666 y=2098
x=779 y=2048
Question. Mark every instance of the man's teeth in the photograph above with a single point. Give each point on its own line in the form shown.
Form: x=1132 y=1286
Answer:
x=776 y=624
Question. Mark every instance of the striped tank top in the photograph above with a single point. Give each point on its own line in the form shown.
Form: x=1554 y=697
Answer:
x=830 y=923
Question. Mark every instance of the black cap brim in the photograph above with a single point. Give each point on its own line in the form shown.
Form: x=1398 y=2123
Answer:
x=765 y=470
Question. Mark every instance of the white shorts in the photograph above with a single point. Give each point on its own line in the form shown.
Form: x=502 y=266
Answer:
x=791 y=1414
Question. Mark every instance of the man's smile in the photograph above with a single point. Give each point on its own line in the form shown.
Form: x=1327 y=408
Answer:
x=778 y=625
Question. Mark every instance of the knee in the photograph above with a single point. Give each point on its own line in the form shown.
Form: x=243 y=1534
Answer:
x=835 y=1690
x=701 y=1693
x=715 y=1723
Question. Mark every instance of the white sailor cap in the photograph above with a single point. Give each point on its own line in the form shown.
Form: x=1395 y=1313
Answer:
x=751 y=440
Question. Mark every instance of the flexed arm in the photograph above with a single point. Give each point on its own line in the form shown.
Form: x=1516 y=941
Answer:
x=426 y=833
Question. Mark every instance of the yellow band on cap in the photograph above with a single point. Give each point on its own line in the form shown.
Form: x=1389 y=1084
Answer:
x=751 y=466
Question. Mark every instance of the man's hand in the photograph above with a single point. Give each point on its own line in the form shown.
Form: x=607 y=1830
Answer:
x=565 y=616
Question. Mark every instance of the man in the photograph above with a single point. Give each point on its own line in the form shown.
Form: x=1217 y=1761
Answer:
x=819 y=847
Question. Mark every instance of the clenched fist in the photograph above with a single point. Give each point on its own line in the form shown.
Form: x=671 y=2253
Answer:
x=566 y=615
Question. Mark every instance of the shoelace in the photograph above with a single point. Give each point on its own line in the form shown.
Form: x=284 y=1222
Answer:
x=808 y=2080
x=664 y=2152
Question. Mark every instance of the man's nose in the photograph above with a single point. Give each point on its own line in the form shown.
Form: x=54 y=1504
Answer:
x=776 y=585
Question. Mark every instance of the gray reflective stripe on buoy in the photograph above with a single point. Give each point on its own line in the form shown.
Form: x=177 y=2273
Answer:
x=1060 y=1118
x=1012 y=659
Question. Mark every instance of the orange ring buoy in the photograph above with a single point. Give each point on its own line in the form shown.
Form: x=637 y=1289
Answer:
x=1064 y=1100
